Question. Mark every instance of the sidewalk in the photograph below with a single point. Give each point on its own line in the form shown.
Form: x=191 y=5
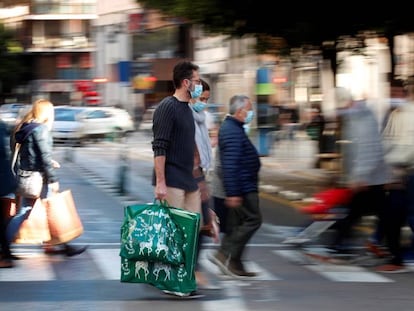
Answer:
x=289 y=170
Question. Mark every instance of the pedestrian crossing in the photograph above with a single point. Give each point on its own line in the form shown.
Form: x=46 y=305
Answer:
x=104 y=264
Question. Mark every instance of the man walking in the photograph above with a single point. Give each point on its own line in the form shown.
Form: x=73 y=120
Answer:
x=238 y=175
x=174 y=143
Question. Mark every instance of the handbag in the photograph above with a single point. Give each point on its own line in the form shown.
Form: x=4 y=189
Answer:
x=29 y=183
x=34 y=229
x=62 y=218
x=180 y=279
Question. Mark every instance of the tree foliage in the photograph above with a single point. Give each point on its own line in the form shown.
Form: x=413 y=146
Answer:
x=305 y=23
x=11 y=68
x=295 y=24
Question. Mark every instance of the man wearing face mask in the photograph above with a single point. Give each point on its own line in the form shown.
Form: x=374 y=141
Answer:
x=235 y=179
x=202 y=162
x=174 y=143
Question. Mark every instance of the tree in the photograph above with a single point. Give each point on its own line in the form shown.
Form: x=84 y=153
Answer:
x=11 y=68
x=299 y=24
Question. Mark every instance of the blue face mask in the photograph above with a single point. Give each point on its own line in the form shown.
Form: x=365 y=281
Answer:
x=249 y=117
x=198 y=89
x=199 y=106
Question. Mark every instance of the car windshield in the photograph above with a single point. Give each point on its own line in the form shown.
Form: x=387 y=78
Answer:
x=66 y=114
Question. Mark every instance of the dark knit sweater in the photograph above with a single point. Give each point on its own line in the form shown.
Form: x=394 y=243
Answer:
x=174 y=138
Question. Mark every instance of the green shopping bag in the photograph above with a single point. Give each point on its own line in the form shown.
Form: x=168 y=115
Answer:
x=178 y=279
x=149 y=233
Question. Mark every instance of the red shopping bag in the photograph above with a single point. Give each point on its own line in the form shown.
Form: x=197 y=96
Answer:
x=327 y=199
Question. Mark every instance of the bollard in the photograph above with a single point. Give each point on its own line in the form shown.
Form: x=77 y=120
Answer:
x=123 y=172
x=70 y=153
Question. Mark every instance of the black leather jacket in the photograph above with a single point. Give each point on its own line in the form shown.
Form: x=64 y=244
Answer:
x=36 y=150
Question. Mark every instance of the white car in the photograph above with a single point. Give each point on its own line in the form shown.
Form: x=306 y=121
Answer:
x=75 y=125
x=10 y=113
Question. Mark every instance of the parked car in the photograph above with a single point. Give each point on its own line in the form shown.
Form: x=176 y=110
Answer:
x=10 y=113
x=75 y=125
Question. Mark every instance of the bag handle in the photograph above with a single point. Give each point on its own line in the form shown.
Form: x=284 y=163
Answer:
x=13 y=162
x=156 y=202
x=163 y=203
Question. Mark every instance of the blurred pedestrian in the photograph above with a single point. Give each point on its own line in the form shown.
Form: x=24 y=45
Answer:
x=398 y=138
x=33 y=133
x=174 y=143
x=364 y=169
x=7 y=188
x=240 y=165
x=315 y=129
x=202 y=162
x=138 y=115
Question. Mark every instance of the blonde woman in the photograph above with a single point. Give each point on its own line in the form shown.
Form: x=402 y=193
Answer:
x=33 y=133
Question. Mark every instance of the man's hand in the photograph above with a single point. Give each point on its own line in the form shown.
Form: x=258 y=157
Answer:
x=233 y=201
x=160 y=191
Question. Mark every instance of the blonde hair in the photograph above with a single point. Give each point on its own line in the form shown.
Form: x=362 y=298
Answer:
x=42 y=112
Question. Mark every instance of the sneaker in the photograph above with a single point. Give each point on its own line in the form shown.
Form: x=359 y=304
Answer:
x=192 y=295
x=391 y=268
x=237 y=269
x=375 y=249
x=221 y=261
x=73 y=251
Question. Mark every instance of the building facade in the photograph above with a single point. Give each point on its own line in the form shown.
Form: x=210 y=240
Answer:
x=58 y=45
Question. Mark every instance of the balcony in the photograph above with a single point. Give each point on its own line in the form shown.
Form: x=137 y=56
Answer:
x=61 y=44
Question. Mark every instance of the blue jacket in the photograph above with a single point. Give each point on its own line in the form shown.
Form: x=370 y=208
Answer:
x=240 y=162
x=36 y=150
x=8 y=182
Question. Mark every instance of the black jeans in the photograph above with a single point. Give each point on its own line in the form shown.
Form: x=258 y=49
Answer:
x=395 y=216
x=242 y=222
x=369 y=201
x=5 y=245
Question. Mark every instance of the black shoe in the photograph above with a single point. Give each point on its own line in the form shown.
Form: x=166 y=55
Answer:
x=11 y=257
x=73 y=251
x=54 y=250
x=237 y=269
x=6 y=263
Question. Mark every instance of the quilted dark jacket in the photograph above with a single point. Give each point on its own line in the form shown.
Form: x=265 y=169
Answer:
x=240 y=162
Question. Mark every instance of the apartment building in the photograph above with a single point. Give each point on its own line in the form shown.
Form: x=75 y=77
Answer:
x=58 y=46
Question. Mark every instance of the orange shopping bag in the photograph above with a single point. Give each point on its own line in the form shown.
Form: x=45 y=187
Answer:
x=63 y=218
x=35 y=229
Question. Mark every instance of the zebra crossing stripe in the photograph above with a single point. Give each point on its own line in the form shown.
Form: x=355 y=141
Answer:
x=36 y=266
x=335 y=272
x=105 y=259
x=263 y=275
x=32 y=267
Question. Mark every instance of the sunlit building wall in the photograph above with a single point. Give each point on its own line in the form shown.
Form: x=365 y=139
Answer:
x=366 y=75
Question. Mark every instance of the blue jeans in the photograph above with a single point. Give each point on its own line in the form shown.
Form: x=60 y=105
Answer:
x=23 y=212
x=25 y=206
